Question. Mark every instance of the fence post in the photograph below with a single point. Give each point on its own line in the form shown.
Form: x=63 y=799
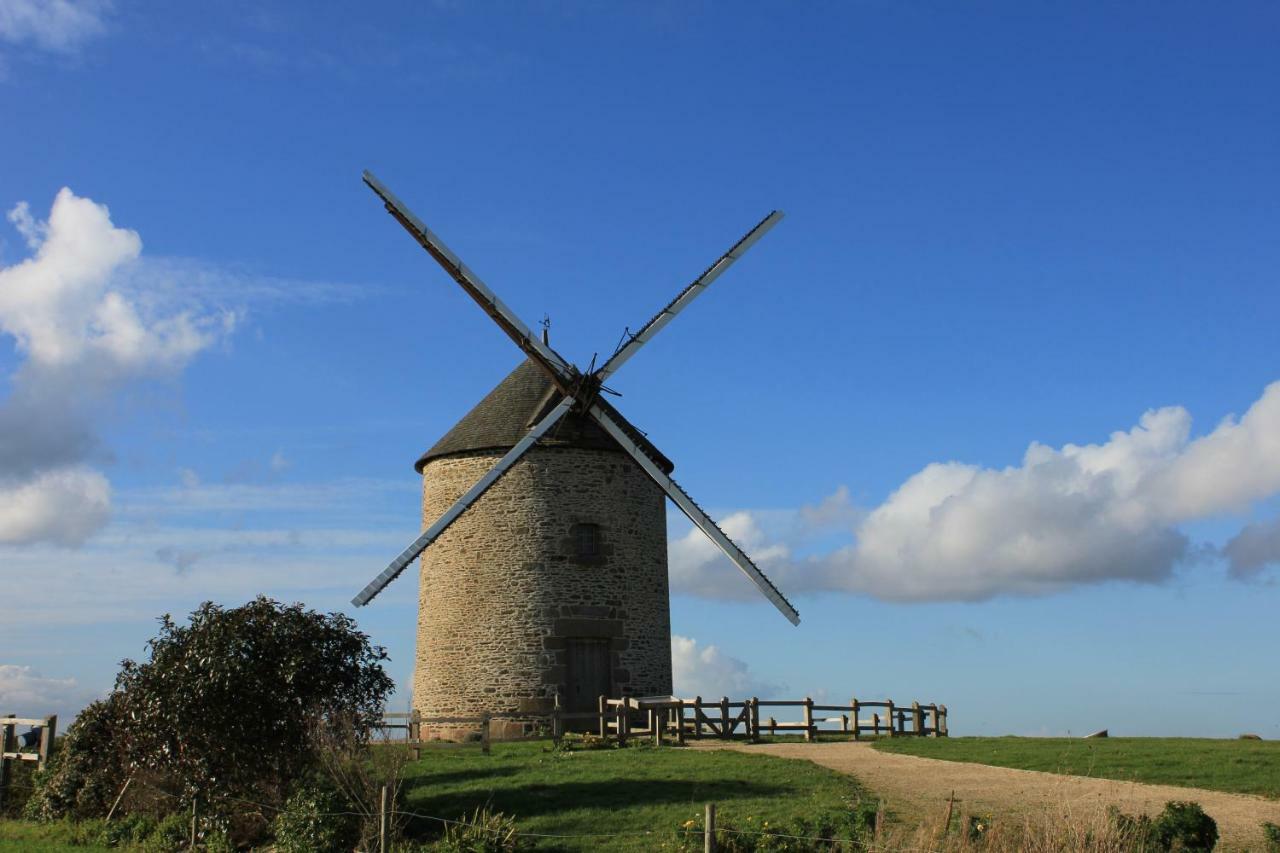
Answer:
x=755 y=719
x=6 y=745
x=709 y=831
x=918 y=718
x=383 y=819
x=808 y=720
x=623 y=725
x=46 y=739
x=942 y=720
x=603 y=705
x=557 y=724
x=656 y=717
x=853 y=710
x=484 y=733
x=697 y=717
x=193 y=823
x=680 y=721
x=892 y=723
x=724 y=717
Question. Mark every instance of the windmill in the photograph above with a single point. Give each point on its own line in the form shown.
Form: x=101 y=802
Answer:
x=571 y=394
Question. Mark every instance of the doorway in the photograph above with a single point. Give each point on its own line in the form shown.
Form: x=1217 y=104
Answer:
x=589 y=675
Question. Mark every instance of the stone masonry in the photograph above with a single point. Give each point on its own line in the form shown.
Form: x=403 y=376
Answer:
x=504 y=591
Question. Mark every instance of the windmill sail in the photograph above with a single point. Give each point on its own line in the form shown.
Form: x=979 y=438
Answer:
x=576 y=389
x=684 y=297
x=695 y=513
x=560 y=371
x=432 y=533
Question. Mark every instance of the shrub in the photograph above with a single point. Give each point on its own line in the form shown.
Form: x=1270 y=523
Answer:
x=1271 y=834
x=1185 y=826
x=171 y=833
x=129 y=829
x=84 y=773
x=978 y=827
x=1182 y=826
x=219 y=841
x=486 y=831
x=313 y=819
x=228 y=705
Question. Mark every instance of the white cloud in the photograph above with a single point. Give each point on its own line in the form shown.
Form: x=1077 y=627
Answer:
x=57 y=25
x=83 y=330
x=835 y=510
x=65 y=506
x=697 y=566
x=710 y=673
x=65 y=311
x=24 y=692
x=1076 y=515
x=1253 y=549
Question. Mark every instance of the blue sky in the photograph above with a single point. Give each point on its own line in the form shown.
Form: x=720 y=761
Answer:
x=1006 y=224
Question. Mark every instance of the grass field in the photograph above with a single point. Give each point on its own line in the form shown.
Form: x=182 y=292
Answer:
x=623 y=792
x=639 y=795
x=18 y=835
x=1234 y=766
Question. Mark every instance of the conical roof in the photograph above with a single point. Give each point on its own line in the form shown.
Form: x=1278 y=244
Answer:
x=505 y=414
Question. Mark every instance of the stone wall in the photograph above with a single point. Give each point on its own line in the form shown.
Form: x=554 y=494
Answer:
x=503 y=589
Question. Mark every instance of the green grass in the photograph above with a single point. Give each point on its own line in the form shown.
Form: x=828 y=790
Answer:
x=44 y=838
x=1234 y=766
x=628 y=792
x=640 y=793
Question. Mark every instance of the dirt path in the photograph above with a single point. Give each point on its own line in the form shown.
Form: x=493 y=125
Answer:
x=920 y=786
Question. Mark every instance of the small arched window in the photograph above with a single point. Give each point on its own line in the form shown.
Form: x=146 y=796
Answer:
x=586 y=540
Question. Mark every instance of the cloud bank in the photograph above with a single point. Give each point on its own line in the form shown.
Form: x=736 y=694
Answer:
x=708 y=672
x=1079 y=514
x=24 y=692
x=1253 y=549
x=84 y=326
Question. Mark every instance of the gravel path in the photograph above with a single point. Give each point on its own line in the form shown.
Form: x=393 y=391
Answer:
x=920 y=786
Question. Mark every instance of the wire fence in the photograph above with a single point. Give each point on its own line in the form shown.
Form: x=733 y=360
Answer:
x=709 y=828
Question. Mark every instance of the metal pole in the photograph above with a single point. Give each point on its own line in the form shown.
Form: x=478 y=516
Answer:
x=193 y=822
x=709 y=832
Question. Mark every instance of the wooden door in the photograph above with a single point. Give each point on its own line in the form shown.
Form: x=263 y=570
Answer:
x=590 y=675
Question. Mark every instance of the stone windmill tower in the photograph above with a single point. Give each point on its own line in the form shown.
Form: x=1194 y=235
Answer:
x=546 y=575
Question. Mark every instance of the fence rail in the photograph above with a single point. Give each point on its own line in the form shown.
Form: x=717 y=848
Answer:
x=12 y=744
x=672 y=720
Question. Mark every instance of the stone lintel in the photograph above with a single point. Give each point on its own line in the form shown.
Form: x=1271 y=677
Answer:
x=604 y=628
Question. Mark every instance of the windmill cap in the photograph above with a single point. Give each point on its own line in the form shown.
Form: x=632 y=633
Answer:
x=505 y=414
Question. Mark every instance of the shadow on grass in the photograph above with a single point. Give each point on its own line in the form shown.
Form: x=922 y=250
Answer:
x=523 y=801
x=454 y=777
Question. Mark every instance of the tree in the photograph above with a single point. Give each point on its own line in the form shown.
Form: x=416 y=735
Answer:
x=232 y=704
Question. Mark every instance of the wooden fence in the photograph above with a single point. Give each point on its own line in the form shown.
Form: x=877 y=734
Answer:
x=11 y=744
x=675 y=720
x=678 y=719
